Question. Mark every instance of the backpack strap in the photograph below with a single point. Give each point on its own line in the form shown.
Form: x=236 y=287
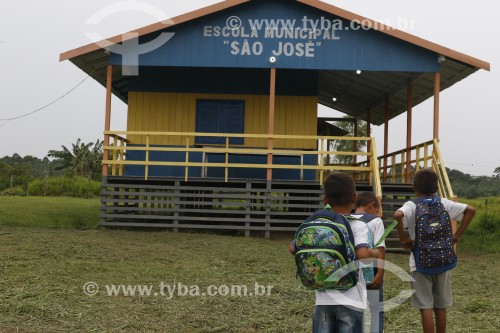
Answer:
x=367 y=218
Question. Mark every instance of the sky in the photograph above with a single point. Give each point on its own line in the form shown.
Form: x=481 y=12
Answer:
x=34 y=33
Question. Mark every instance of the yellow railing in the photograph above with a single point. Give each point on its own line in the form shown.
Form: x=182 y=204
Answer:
x=445 y=189
x=401 y=166
x=117 y=154
x=118 y=148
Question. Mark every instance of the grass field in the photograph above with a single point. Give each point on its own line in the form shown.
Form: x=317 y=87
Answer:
x=484 y=231
x=60 y=212
x=43 y=271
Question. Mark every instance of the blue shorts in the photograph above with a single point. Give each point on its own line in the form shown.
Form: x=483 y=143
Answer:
x=338 y=319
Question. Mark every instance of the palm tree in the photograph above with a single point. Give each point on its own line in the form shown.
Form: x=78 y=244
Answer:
x=84 y=159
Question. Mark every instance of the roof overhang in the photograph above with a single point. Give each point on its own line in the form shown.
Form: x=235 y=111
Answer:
x=355 y=94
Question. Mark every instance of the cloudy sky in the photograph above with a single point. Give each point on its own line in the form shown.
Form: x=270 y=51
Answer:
x=34 y=33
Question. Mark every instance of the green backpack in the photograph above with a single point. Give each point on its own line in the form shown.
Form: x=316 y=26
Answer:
x=324 y=252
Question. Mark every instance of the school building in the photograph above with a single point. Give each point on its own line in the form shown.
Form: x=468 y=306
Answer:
x=222 y=124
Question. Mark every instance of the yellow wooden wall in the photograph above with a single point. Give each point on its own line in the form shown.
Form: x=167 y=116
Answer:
x=175 y=112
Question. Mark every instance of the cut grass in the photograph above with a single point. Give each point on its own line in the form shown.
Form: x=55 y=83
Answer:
x=44 y=269
x=43 y=273
x=51 y=212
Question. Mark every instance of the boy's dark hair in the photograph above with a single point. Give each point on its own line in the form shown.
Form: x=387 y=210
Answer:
x=339 y=189
x=426 y=182
x=366 y=198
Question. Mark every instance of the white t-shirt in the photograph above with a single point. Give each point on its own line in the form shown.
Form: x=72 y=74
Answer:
x=455 y=210
x=376 y=227
x=356 y=296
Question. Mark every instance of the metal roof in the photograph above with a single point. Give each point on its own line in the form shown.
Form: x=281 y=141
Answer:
x=355 y=94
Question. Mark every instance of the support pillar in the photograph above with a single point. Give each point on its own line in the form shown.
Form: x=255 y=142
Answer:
x=386 y=137
x=408 y=131
x=369 y=129
x=107 y=119
x=355 y=160
x=272 y=104
x=437 y=89
x=368 y=135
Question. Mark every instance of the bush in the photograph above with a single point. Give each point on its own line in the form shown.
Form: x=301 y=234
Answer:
x=485 y=223
x=78 y=187
x=487 y=218
x=17 y=191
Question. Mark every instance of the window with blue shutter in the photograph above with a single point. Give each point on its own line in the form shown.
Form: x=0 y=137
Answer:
x=220 y=116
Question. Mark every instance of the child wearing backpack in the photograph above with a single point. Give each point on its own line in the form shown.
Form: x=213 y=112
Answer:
x=428 y=219
x=341 y=310
x=367 y=209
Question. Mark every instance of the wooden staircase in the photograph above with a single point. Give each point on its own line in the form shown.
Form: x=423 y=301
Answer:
x=393 y=197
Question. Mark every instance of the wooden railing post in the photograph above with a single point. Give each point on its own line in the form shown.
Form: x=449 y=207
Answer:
x=369 y=128
x=372 y=164
x=393 y=160
x=356 y=141
x=226 y=173
x=417 y=167
x=146 y=167
x=403 y=165
x=115 y=156
x=186 y=170
x=377 y=187
x=426 y=155
x=321 y=168
x=122 y=156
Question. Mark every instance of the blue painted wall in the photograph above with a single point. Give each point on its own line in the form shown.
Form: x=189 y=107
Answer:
x=241 y=173
x=209 y=42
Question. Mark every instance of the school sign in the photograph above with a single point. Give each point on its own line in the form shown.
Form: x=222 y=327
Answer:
x=282 y=34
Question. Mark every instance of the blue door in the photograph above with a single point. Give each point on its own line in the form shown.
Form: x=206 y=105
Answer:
x=220 y=116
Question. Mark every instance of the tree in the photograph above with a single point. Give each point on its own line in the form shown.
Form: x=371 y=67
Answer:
x=497 y=173
x=348 y=145
x=83 y=159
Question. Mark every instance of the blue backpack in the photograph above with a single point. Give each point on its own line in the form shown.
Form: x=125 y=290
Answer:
x=324 y=247
x=434 y=246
